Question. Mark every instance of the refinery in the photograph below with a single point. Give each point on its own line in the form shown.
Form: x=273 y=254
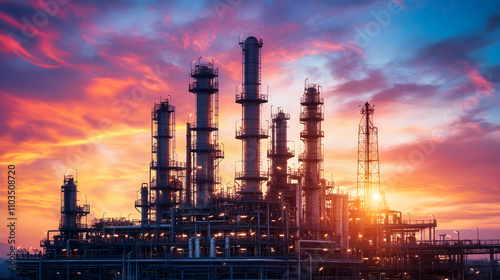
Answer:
x=301 y=227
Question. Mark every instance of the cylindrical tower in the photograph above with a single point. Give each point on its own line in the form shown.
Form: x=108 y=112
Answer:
x=250 y=131
x=205 y=143
x=340 y=218
x=311 y=116
x=144 y=204
x=71 y=213
x=68 y=205
x=164 y=182
x=279 y=153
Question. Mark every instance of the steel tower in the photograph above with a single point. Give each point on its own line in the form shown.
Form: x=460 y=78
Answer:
x=165 y=185
x=205 y=143
x=250 y=131
x=71 y=214
x=311 y=116
x=368 y=163
x=279 y=153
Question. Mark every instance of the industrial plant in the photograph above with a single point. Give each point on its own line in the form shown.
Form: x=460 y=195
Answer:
x=301 y=227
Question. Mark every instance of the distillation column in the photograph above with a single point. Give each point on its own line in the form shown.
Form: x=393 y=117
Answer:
x=279 y=153
x=143 y=204
x=311 y=116
x=164 y=183
x=205 y=144
x=368 y=163
x=250 y=131
x=71 y=213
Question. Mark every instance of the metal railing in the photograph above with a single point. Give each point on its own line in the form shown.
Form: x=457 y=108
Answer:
x=245 y=132
x=307 y=115
x=194 y=86
x=169 y=163
x=312 y=99
x=253 y=174
x=243 y=96
x=306 y=134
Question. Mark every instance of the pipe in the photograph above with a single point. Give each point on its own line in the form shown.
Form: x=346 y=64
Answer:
x=128 y=264
x=208 y=223
x=40 y=268
x=227 y=248
x=69 y=240
x=310 y=265
x=197 y=247
x=212 y=247
x=188 y=164
x=190 y=246
x=298 y=254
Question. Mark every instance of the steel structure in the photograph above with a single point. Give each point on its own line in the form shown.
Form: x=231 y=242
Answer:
x=205 y=143
x=368 y=162
x=70 y=225
x=311 y=116
x=165 y=184
x=279 y=153
x=200 y=232
x=251 y=132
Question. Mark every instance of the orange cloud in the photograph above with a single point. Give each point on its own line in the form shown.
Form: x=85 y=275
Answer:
x=109 y=87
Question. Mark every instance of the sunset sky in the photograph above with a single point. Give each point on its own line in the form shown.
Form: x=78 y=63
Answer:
x=78 y=81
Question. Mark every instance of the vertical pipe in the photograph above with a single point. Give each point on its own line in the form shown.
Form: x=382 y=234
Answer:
x=188 y=164
x=227 y=248
x=322 y=203
x=190 y=247
x=212 y=247
x=197 y=247
x=337 y=205
x=345 y=221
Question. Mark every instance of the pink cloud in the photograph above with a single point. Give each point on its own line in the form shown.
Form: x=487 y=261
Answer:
x=481 y=85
